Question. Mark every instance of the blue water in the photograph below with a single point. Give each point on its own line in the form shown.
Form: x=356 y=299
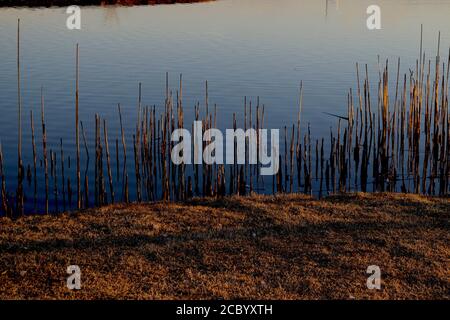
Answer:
x=242 y=47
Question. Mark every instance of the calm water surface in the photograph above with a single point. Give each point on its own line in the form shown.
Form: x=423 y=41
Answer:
x=242 y=47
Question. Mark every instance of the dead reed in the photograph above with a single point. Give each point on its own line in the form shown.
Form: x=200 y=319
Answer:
x=381 y=144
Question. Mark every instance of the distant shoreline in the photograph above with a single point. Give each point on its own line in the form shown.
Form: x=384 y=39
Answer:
x=63 y=3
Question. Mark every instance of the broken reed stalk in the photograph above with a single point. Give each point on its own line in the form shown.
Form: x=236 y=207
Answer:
x=77 y=140
x=285 y=160
x=298 y=146
x=136 y=167
x=96 y=174
x=136 y=146
x=20 y=173
x=108 y=161
x=55 y=179
x=63 y=176
x=44 y=149
x=86 y=179
x=117 y=161
x=125 y=197
x=291 y=150
x=4 y=195
x=33 y=143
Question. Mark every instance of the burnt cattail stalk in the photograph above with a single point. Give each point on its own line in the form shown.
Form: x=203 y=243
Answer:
x=250 y=149
x=321 y=168
x=77 y=140
x=246 y=142
x=298 y=147
x=102 y=194
x=124 y=174
x=117 y=161
x=96 y=166
x=55 y=179
x=62 y=174
x=291 y=150
x=286 y=174
x=33 y=143
x=4 y=203
x=19 y=144
x=86 y=183
x=108 y=161
x=44 y=147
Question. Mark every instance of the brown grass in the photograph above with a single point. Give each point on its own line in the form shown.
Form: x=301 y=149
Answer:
x=259 y=247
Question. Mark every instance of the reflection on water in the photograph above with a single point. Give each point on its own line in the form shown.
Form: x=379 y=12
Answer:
x=253 y=48
x=111 y=16
x=331 y=2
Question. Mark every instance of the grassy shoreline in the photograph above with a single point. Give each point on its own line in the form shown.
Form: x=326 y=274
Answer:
x=261 y=247
x=65 y=3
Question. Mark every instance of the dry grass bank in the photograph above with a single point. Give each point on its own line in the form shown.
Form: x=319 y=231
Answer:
x=263 y=247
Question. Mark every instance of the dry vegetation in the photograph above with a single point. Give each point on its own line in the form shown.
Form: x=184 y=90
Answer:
x=262 y=247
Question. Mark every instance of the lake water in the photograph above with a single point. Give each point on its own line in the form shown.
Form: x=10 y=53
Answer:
x=242 y=47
